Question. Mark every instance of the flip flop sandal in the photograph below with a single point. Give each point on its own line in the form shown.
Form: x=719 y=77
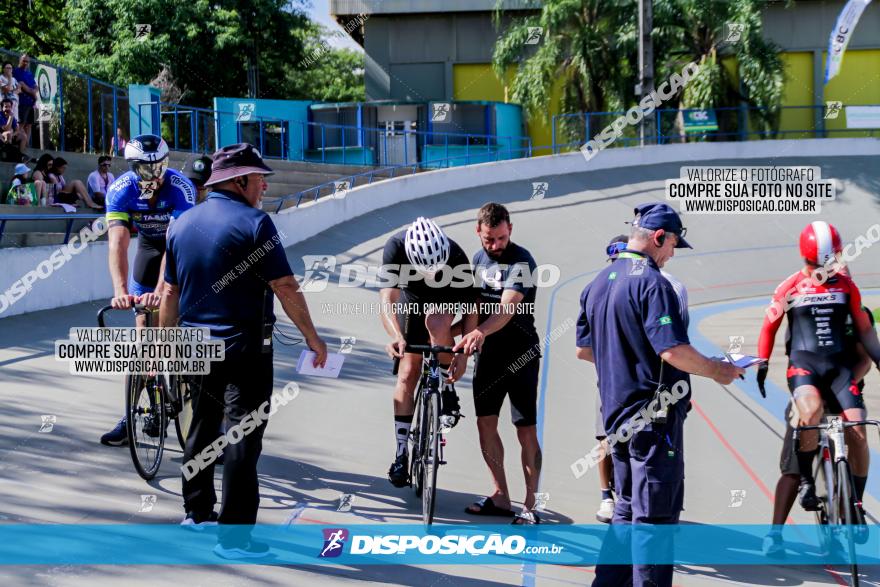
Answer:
x=526 y=518
x=486 y=507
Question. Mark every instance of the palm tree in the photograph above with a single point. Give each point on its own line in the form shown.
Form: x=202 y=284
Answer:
x=590 y=46
x=745 y=70
x=586 y=45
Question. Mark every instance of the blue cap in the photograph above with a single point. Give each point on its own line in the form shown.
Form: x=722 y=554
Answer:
x=655 y=216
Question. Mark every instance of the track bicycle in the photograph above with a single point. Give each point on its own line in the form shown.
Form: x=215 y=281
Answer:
x=426 y=438
x=151 y=402
x=839 y=512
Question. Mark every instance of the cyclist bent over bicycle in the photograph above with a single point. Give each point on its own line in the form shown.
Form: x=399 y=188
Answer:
x=424 y=248
x=820 y=366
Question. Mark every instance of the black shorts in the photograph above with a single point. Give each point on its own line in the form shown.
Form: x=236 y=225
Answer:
x=25 y=114
x=412 y=318
x=503 y=372
x=832 y=375
x=145 y=269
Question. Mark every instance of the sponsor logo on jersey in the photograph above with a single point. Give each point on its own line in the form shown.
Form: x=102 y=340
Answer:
x=664 y=320
x=184 y=185
x=819 y=299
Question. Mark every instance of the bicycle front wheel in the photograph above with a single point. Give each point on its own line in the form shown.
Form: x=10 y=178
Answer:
x=847 y=505
x=183 y=390
x=417 y=443
x=146 y=423
x=431 y=457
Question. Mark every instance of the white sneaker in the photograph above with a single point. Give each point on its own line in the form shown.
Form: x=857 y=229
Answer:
x=606 y=511
x=199 y=524
x=251 y=551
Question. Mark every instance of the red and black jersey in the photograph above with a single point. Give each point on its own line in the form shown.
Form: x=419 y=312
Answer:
x=817 y=314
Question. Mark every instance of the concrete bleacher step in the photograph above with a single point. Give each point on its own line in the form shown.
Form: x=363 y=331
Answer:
x=290 y=176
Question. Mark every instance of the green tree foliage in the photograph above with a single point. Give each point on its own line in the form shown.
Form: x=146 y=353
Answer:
x=326 y=73
x=591 y=46
x=196 y=49
x=32 y=27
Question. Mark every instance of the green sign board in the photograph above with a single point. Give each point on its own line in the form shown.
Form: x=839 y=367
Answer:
x=699 y=120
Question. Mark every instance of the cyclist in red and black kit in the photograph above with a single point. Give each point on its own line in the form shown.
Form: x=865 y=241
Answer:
x=820 y=366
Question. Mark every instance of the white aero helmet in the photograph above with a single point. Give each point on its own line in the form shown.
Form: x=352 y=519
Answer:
x=427 y=247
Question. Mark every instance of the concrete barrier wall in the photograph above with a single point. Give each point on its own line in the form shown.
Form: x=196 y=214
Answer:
x=85 y=277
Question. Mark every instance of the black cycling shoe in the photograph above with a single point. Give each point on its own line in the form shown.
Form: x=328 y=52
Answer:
x=153 y=426
x=398 y=474
x=861 y=533
x=808 y=499
x=450 y=411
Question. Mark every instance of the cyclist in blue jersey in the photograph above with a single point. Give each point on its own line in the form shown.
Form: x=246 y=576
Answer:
x=147 y=198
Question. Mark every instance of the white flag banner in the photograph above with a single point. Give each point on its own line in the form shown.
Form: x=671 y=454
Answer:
x=840 y=36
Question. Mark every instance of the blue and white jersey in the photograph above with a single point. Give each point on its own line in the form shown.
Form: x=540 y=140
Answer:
x=127 y=205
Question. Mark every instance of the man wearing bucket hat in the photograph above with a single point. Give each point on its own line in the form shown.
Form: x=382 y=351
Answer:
x=228 y=236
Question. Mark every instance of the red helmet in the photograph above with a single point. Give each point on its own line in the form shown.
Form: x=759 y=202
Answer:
x=819 y=242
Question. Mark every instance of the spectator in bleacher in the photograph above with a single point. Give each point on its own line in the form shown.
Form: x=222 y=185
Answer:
x=69 y=193
x=42 y=167
x=28 y=96
x=9 y=88
x=117 y=143
x=10 y=131
x=100 y=179
x=24 y=189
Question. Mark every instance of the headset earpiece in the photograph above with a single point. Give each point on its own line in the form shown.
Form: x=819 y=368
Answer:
x=660 y=238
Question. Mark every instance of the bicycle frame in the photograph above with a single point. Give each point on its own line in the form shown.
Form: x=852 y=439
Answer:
x=426 y=436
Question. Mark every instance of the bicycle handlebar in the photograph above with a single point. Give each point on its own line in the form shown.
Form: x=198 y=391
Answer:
x=845 y=425
x=136 y=308
x=429 y=350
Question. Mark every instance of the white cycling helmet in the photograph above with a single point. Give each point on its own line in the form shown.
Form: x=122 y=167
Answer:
x=148 y=157
x=427 y=247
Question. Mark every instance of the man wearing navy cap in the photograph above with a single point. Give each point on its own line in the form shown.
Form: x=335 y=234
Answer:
x=630 y=325
x=214 y=279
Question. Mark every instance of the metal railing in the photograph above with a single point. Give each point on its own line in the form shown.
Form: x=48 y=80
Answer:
x=571 y=131
x=324 y=142
x=201 y=126
x=69 y=218
x=85 y=115
x=332 y=187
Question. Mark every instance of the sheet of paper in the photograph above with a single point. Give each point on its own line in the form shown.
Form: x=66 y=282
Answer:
x=331 y=368
x=743 y=361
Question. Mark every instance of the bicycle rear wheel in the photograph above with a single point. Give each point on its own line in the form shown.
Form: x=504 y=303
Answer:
x=183 y=388
x=847 y=504
x=430 y=457
x=145 y=410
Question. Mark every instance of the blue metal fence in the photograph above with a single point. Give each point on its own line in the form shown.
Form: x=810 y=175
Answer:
x=571 y=131
x=88 y=114
x=367 y=177
x=329 y=143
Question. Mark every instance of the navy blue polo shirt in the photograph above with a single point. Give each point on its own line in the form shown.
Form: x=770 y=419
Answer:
x=629 y=314
x=222 y=254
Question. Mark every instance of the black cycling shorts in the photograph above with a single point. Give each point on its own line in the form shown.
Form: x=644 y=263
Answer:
x=502 y=372
x=831 y=374
x=145 y=269
x=412 y=318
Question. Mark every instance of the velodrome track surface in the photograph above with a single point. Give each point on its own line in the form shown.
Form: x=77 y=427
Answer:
x=336 y=437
